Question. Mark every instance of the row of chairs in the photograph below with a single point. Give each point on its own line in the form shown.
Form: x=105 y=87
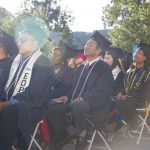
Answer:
x=143 y=115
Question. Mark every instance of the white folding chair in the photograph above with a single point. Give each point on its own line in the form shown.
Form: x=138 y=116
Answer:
x=13 y=148
x=100 y=135
x=33 y=140
x=143 y=120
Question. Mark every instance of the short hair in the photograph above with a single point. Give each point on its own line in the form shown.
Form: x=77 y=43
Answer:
x=60 y=50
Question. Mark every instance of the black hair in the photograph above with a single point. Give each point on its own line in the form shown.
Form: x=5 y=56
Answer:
x=146 y=50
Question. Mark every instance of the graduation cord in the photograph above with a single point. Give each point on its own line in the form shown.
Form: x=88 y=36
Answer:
x=147 y=77
x=15 y=82
x=130 y=84
x=128 y=81
x=84 y=81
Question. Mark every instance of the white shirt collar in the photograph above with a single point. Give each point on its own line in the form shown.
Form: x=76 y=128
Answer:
x=115 y=72
x=91 y=62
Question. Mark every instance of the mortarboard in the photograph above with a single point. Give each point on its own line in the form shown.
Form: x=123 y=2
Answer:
x=101 y=40
x=115 y=52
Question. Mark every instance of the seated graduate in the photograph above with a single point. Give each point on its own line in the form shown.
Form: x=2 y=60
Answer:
x=5 y=64
x=92 y=87
x=113 y=59
x=136 y=84
x=63 y=74
x=27 y=88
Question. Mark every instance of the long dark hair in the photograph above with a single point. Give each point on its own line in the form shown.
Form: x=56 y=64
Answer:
x=146 y=50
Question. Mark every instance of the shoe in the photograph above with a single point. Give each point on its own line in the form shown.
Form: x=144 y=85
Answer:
x=81 y=143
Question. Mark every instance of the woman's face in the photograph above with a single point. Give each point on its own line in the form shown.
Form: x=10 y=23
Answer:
x=108 y=59
x=139 y=56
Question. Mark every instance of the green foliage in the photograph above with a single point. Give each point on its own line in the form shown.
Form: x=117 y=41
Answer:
x=49 y=10
x=7 y=21
x=130 y=20
x=47 y=48
x=67 y=38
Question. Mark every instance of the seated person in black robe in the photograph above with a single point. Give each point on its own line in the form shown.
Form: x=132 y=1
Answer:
x=63 y=74
x=5 y=64
x=27 y=89
x=92 y=87
x=136 y=85
x=113 y=59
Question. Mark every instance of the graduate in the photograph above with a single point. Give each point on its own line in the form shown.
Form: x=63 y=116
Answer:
x=63 y=74
x=92 y=87
x=27 y=89
x=8 y=51
x=113 y=58
x=136 y=84
x=5 y=64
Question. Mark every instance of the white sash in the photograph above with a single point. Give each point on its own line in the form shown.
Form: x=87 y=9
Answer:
x=25 y=76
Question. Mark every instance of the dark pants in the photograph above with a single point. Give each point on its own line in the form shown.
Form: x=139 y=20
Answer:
x=56 y=116
x=8 y=126
x=124 y=108
x=80 y=111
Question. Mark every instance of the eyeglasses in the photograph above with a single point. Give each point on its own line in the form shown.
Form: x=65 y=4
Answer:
x=21 y=40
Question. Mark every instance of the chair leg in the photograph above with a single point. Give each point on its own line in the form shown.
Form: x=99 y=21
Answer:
x=91 y=142
x=144 y=122
x=37 y=144
x=13 y=147
x=33 y=137
x=107 y=145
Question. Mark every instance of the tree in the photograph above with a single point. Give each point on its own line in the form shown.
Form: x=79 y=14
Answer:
x=67 y=38
x=49 y=10
x=130 y=22
x=7 y=21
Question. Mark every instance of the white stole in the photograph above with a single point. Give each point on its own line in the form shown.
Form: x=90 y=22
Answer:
x=25 y=77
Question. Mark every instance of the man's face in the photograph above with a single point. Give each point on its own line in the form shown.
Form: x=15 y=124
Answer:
x=90 y=48
x=56 y=57
x=26 y=43
x=139 y=56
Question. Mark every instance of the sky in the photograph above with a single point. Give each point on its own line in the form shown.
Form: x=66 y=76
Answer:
x=87 y=13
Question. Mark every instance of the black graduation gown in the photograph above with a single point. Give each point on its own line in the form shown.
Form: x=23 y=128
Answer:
x=119 y=83
x=98 y=89
x=136 y=87
x=5 y=65
x=63 y=82
x=32 y=103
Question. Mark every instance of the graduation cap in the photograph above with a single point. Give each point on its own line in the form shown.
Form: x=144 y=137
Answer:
x=34 y=26
x=68 y=51
x=9 y=43
x=145 y=48
x=115 y=52
x=101 y=40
